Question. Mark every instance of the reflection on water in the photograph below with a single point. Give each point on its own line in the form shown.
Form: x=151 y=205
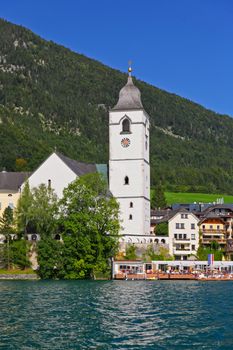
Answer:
x=116 y=315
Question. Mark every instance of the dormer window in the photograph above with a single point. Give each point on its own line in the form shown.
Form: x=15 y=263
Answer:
x=125 y=126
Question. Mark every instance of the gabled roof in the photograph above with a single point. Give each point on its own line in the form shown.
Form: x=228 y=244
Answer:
x=79 y=168
x=218 y=206
x=12 y=180
x=211 y=217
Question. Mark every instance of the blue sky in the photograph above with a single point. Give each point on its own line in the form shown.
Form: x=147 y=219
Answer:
x=182 y=46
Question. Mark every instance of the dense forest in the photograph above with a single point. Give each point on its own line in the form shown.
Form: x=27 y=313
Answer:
x=52 y=97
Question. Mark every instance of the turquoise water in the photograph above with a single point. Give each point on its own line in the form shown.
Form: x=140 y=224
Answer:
x=116 y=315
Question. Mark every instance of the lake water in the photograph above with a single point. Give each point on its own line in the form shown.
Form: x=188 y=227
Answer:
x=116 y=315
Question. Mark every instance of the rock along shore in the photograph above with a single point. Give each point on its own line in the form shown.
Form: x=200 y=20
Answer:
x=25 y=276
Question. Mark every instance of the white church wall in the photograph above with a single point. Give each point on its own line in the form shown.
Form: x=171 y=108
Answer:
x=119 y=170
x=54 y=170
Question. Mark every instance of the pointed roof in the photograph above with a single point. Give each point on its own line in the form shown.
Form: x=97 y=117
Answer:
x=129 y=97
x=79 y=168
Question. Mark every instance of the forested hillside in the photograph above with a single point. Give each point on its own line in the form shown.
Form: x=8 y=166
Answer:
x=52 y=97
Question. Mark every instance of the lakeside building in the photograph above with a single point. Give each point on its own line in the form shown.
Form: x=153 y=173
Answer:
x=139 y=268
x=183 y=234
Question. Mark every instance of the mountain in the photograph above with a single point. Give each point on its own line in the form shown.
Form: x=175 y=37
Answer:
x=51 y=97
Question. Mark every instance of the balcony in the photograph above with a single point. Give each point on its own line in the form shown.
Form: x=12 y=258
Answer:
x=180 y=251
x=213 y=231
x=181 y=240
x=209 y=240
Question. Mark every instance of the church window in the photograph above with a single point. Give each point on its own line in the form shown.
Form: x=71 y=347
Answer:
x=126 y=180
x=126 y=125
x=130 y=217
x=131 y=204
x=49 y=184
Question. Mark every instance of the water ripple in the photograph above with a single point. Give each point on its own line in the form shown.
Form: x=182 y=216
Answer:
x=116 y=315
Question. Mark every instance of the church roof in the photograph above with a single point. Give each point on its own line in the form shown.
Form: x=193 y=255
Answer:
x=129 y=97
x=12 y=180
x=79 y=168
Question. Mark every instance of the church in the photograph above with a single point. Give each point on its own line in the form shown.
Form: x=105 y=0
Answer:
x=129 y=168
x=129 y=163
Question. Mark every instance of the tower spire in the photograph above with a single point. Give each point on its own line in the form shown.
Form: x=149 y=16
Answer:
x=130 y=67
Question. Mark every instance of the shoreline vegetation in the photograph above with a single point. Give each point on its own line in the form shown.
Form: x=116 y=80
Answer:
x=74 y=237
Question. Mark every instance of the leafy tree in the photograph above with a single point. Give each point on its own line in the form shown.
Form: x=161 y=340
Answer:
x=20 y=164
x=202 y=253
x=19 y=254
x=7 y=229
x=158 y=199
x=23 y=211
x=50 y=259
x=131 y=252
x=95 y=182
x=37 y=210
x=161 y=229
x=44 y=210
x=89 y=225
x=151 y=254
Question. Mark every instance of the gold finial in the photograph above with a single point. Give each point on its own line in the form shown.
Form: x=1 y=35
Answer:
x=130 y=68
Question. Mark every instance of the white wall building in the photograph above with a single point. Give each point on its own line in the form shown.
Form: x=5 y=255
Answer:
x=129 y=167
x=58 y=171
x=183 y=235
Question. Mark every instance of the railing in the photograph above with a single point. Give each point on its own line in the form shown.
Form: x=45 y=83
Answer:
x=212 y=230
x=181 y=239
x=210 y=240
x=182 y=251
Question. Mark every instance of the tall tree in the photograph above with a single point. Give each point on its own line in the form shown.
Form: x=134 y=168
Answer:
x=37 y=210
x=23 y=210
x=7 y=229
x=90 y=225
x=158 y=199
x=44 y=210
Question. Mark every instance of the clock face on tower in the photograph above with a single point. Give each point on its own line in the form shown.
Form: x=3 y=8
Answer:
x=125 y=142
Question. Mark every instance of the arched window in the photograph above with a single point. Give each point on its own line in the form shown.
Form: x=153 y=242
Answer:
x=130 y=217
x=49 y=184
x=126 y=125
x=131 y=204
x=126 y=180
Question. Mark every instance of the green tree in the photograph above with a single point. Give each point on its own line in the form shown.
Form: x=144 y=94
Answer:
x=131 y=252
x=95 y=182
x=202 y=253
x=161 y=229
x=152 y=254
x=43 y=213
x=7 y=229
x=19 y=254
x=158 y=199
x=50 y=259
x=23 y=210
x=89 y=224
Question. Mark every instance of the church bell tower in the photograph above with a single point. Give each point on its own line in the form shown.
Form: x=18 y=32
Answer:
x=129 y=163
